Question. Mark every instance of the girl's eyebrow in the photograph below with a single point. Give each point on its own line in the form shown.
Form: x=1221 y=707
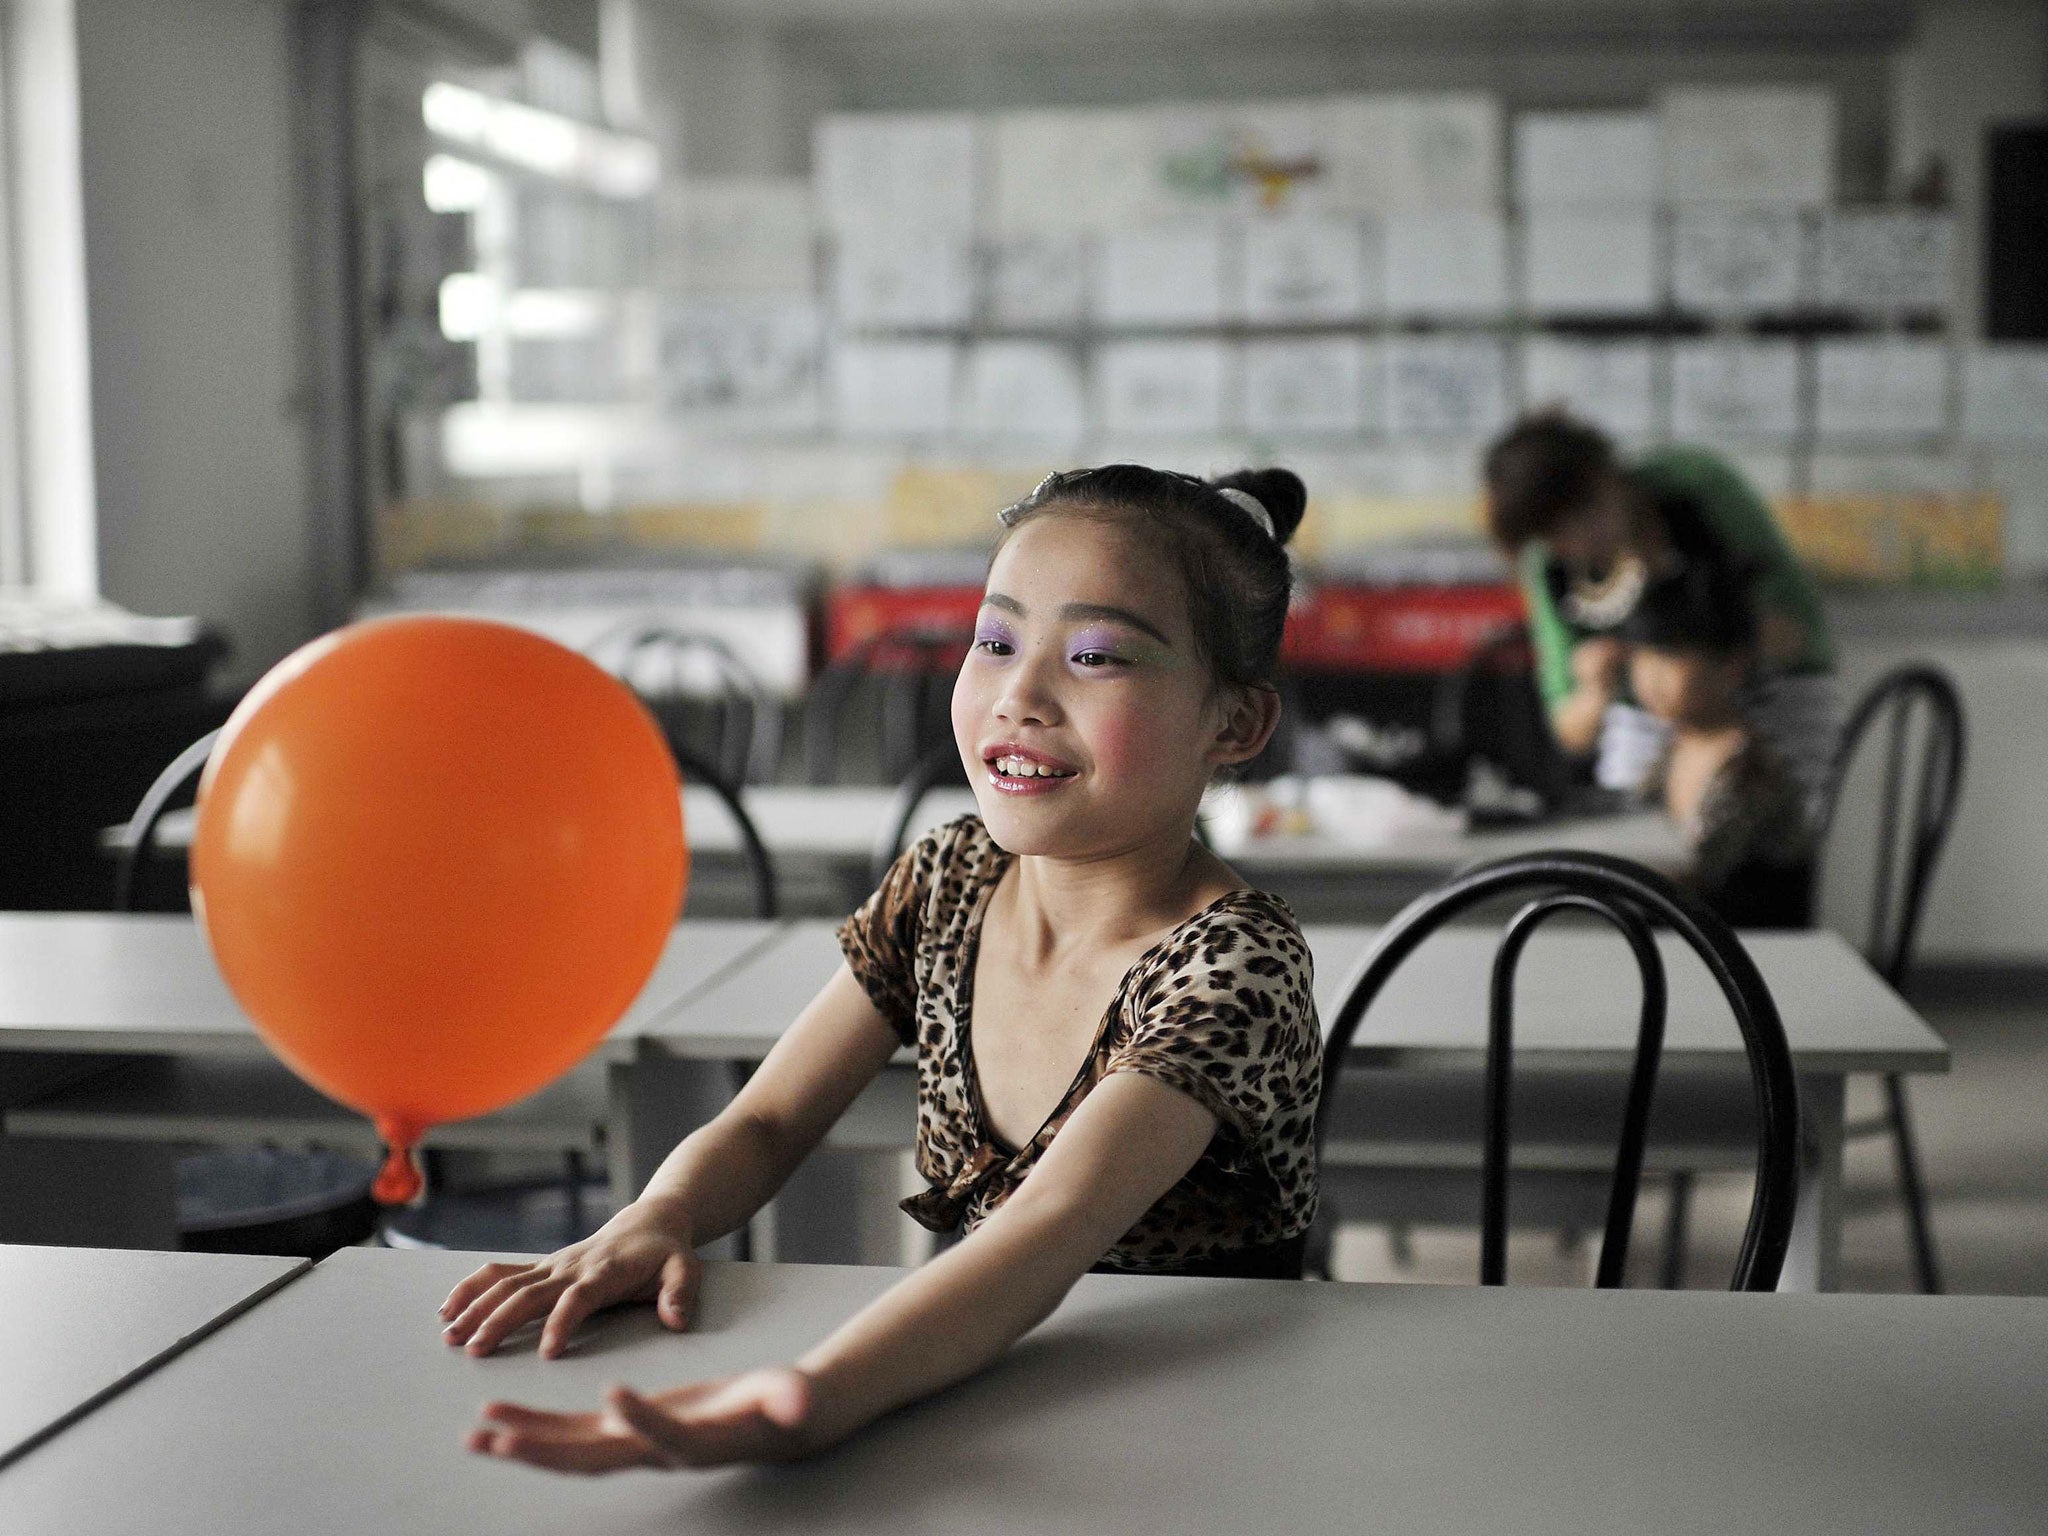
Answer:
x=1082 y=611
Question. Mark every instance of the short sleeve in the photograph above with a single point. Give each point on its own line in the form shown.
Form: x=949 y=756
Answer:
x=1230 y=1021
x=879 y=940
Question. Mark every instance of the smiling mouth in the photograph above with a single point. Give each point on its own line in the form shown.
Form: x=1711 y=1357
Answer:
x=1009 y=767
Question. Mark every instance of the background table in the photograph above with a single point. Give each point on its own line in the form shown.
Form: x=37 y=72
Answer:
x=79 y=1324
x=1576 y=1011
x=1142 y=1405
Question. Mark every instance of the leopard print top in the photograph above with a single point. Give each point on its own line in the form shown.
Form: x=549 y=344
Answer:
x=1220 y=1009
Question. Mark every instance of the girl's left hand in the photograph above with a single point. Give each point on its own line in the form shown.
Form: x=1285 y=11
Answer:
x=757 y=1416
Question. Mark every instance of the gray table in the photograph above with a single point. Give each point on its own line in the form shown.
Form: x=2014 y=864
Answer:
x=79 y=1324
x=1181 y=1406
x=1576 y=1011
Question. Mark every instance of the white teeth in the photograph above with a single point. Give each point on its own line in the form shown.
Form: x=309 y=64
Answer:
x=1024 y=768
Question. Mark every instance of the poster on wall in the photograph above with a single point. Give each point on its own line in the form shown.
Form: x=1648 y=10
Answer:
x=1309 y=269
x=1023 y=389
x=1036 y=281
x=893 y=388
x=1891 y=388
x=1414 y=151
x=2005 y=394
x=1169 y=388
x=1589 y=261
x=1585 y=159
x=1280 y=157
x=1885 y=260
x=740 y=365
x=1748 y=144
x=1737 y=261
x=1447 y=265
x=884 y=171
x=736 y=235
x=1315 y=387
x=1446 y=386
x=899 y=280
x=1163 y=274
x=1724 y=389
x=1065 y=172
x=1611 y=384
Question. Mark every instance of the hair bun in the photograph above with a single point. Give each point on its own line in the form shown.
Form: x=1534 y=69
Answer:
x=1279 y=491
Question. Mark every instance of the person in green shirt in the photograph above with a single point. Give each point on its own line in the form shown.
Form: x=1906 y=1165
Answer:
x=1586 y=532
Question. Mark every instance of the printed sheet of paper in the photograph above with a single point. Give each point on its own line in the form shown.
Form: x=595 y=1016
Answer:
x=1280 y=157
x=736 y=236
x=1451 y=265
x=1065 y=172
x=901 y=280
x=1892 y=388
x=1745 y=144
x=1037 y=281
x=1590 y=261
x=1318 y=387
x=1585 y=159
x=1446 y=386
x=1723 y=389
x=1164 y=274
x=1737 y=261
x=1027 y=389
x=1609 y=383
x=1418 y=151
x=741 y=365
x=1309 y=269
x=2005 y=393
x=1885 y=260
x=882 y=171
x=893 y=388
x=1171 y=388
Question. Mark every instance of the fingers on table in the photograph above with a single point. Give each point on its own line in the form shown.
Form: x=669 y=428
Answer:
x=680 y=1277
x=509 y=1304
x=476 y=1284
x=572 y=1305
x=558 y=1442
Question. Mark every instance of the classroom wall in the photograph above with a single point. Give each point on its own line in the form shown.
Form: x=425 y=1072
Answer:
x=199 y=452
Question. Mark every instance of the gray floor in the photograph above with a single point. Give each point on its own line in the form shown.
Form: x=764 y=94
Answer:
x=1984 y=1141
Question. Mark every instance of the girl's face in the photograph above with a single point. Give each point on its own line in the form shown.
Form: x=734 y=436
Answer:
x=1086 y=718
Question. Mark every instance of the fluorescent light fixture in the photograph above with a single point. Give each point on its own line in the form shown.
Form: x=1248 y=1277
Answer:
x=454 y=186
x=469 y=305
x=482 y=440
x=545 y=143
x=539 y=314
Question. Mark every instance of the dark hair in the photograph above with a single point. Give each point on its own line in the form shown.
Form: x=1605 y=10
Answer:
x=1236 y=574
x=1539 y=472
x=1704 y=605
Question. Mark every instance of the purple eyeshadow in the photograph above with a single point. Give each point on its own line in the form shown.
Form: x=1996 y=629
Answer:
x=1098 y=639
x=994 y=629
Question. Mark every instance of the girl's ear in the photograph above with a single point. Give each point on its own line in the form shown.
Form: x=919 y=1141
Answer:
x=1248 y=717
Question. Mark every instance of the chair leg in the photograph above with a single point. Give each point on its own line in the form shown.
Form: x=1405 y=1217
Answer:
x=1912 y=1188
x=572 y=1177
x=1401 y=1244
x=1676 y=1221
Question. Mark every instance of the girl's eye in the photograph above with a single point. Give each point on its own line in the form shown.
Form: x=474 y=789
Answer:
x=1097 y=659
x=993 y=645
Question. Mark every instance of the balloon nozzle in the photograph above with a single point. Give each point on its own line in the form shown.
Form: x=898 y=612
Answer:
x=399 y=1182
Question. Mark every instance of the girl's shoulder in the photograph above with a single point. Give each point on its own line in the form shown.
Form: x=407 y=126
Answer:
x=954 y=860
x=1243 y=937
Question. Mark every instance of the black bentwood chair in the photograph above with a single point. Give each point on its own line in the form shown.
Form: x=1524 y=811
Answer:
x=936 y=769
x=1629 y=898
x=913 y=670
x=1914 y=816
x=686 y=678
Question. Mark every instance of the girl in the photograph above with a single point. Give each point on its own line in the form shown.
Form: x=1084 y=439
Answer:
x=1118 y=1052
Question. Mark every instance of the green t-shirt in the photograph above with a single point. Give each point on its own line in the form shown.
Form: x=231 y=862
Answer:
x=1736 y=517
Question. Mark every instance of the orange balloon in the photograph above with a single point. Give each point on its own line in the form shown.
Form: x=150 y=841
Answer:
x=436 y=859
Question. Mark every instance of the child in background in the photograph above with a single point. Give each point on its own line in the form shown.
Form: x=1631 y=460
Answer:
x=1118 y=1052
x=1692 y=638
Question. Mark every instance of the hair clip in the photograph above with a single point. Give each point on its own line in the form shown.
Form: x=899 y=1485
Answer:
x=1251 y=506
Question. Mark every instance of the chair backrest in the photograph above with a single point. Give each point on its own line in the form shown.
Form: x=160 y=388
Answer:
x=760 y=867
x=915 y=667
x=1631 y=899
x=1912 y=828
x=939 y=766
x=657 y=660
x=140 y=834
x=1490 y=707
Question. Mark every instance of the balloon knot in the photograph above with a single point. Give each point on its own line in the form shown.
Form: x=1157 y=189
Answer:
x=399 y=1182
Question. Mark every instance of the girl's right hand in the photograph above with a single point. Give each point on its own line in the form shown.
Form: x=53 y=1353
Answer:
x=638 y=1254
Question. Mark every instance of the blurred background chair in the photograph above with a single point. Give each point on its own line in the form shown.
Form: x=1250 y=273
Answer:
x=908 y=674
x=702 y=694
x=1629 y=899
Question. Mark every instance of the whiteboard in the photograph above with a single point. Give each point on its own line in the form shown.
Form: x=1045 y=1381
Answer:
x=739 y=364
x=1446 y=386
x=1585 y=159
x=736 y=235
x=1307 y=269
x=1885 y=260
x=1315 y=387
x=1735 y=389
x=901 y=279
x=1737 y=260
x=880 y=171
x=893 y=388
x=1026 y=389
x=1037 y=281
x=1748 y=144
x=1447 y=264
x=1064 y=172
x=1164 y=274
x=2005 y=393
x=1423 y=150
x=1590 y=261
x=1890 y=388
x=1172 y=388
x=1612 y=384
